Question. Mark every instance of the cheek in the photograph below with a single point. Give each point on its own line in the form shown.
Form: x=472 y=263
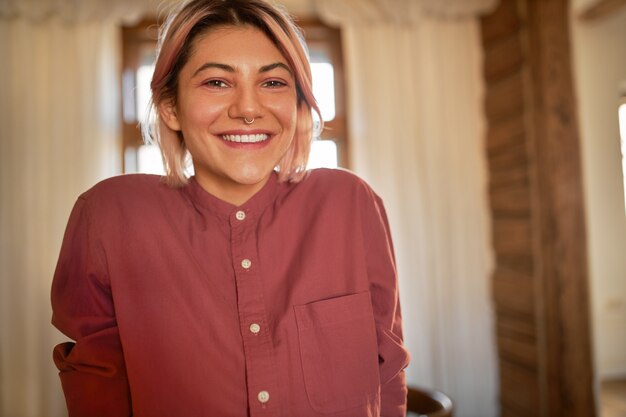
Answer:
x=285 y=108
x=198 y=117
x=288 y=114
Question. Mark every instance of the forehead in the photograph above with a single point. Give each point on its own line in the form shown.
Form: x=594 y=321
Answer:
x=235 y=44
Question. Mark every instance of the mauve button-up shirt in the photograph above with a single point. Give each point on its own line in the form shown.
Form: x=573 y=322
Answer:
x=181 y=304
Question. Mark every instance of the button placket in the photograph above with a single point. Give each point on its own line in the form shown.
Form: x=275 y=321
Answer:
x=257 y=344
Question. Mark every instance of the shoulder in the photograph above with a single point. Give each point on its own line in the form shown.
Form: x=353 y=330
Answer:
x=338 y=182
x=136 y=202
x=124 y=186
x=128 y=192
x=336 y=178
x=338 y=189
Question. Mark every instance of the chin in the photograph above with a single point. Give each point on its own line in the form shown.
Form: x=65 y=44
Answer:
x=252 y=178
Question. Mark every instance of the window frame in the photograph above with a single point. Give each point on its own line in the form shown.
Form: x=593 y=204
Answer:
x=135 y=40
x=327 y=39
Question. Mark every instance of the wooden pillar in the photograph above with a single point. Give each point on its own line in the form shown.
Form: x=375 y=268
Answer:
x=540 y=282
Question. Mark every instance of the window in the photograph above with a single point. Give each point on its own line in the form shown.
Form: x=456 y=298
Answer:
x=324 y=151
x=139 y=44
x=331 y=148
x=138 y=55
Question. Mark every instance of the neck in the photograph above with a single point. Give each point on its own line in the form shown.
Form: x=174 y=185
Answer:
x=229 y=191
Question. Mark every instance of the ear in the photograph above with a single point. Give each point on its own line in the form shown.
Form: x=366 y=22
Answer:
x=167 y=112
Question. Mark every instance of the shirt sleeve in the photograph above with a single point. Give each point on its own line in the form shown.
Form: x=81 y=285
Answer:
x=92 y=370
x=393 y=357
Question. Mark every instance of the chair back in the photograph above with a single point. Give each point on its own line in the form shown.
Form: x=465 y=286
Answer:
x=428 y=403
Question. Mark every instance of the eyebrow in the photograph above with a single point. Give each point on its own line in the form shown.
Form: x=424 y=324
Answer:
x=270 y=67
x=231 y=69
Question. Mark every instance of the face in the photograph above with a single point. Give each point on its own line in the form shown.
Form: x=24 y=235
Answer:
x=234 y=75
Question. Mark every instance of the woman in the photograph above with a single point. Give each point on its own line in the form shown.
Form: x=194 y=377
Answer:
x=254 y=288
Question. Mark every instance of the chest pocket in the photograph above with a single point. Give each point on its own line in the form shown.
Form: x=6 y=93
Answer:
x=339 y=352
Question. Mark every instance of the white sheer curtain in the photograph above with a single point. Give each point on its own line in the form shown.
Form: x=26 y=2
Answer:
x=58 y=135
x=79 y=11
x=413 y=71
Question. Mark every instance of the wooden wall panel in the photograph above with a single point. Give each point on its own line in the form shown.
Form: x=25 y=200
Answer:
x=505 y=57
x=560 y=221
x=522 y=263
x=512 y=236
x=511 y=200
x=505 y=98
x=513 y=291
x=516 y=325
x=501 y=24
x=540 y=281
x=516 y=176
x=513 y=156
x=519 y=391
x=516 y=350
x=504 y=133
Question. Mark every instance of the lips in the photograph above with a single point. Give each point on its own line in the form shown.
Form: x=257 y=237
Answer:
x=248 y=138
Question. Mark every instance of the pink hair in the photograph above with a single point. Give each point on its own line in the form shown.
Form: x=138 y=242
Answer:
x=175 y=46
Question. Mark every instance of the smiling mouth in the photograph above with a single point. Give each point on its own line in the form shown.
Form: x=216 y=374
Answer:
x=246 y=138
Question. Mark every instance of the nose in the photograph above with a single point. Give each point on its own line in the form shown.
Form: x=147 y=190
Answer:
x=246 y=104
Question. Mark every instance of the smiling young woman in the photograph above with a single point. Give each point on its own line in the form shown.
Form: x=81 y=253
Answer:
x=254 y=288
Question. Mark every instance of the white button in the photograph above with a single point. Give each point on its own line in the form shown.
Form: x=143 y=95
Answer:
x=240 y=215
x=263 y=396
x=246 y=263
x=255 y=328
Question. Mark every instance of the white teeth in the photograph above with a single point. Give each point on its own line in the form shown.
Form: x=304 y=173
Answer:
x=246 y=138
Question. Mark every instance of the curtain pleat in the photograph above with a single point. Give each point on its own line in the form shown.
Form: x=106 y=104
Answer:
x=58 y=136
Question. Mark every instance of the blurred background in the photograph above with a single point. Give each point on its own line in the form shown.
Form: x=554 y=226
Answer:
x=491 y=128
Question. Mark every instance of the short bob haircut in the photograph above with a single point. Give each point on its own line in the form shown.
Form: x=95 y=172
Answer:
x=176 y=39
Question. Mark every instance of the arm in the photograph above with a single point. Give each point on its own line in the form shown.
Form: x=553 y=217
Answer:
x=393 y=357
x=92 y=370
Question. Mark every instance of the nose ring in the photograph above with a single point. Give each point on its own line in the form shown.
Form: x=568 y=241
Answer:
x=248 y=122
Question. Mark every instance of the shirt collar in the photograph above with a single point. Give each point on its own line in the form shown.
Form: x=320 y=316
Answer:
x=200 y=197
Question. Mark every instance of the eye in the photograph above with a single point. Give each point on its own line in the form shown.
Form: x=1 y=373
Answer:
x=274 y=84
x=215 y=83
